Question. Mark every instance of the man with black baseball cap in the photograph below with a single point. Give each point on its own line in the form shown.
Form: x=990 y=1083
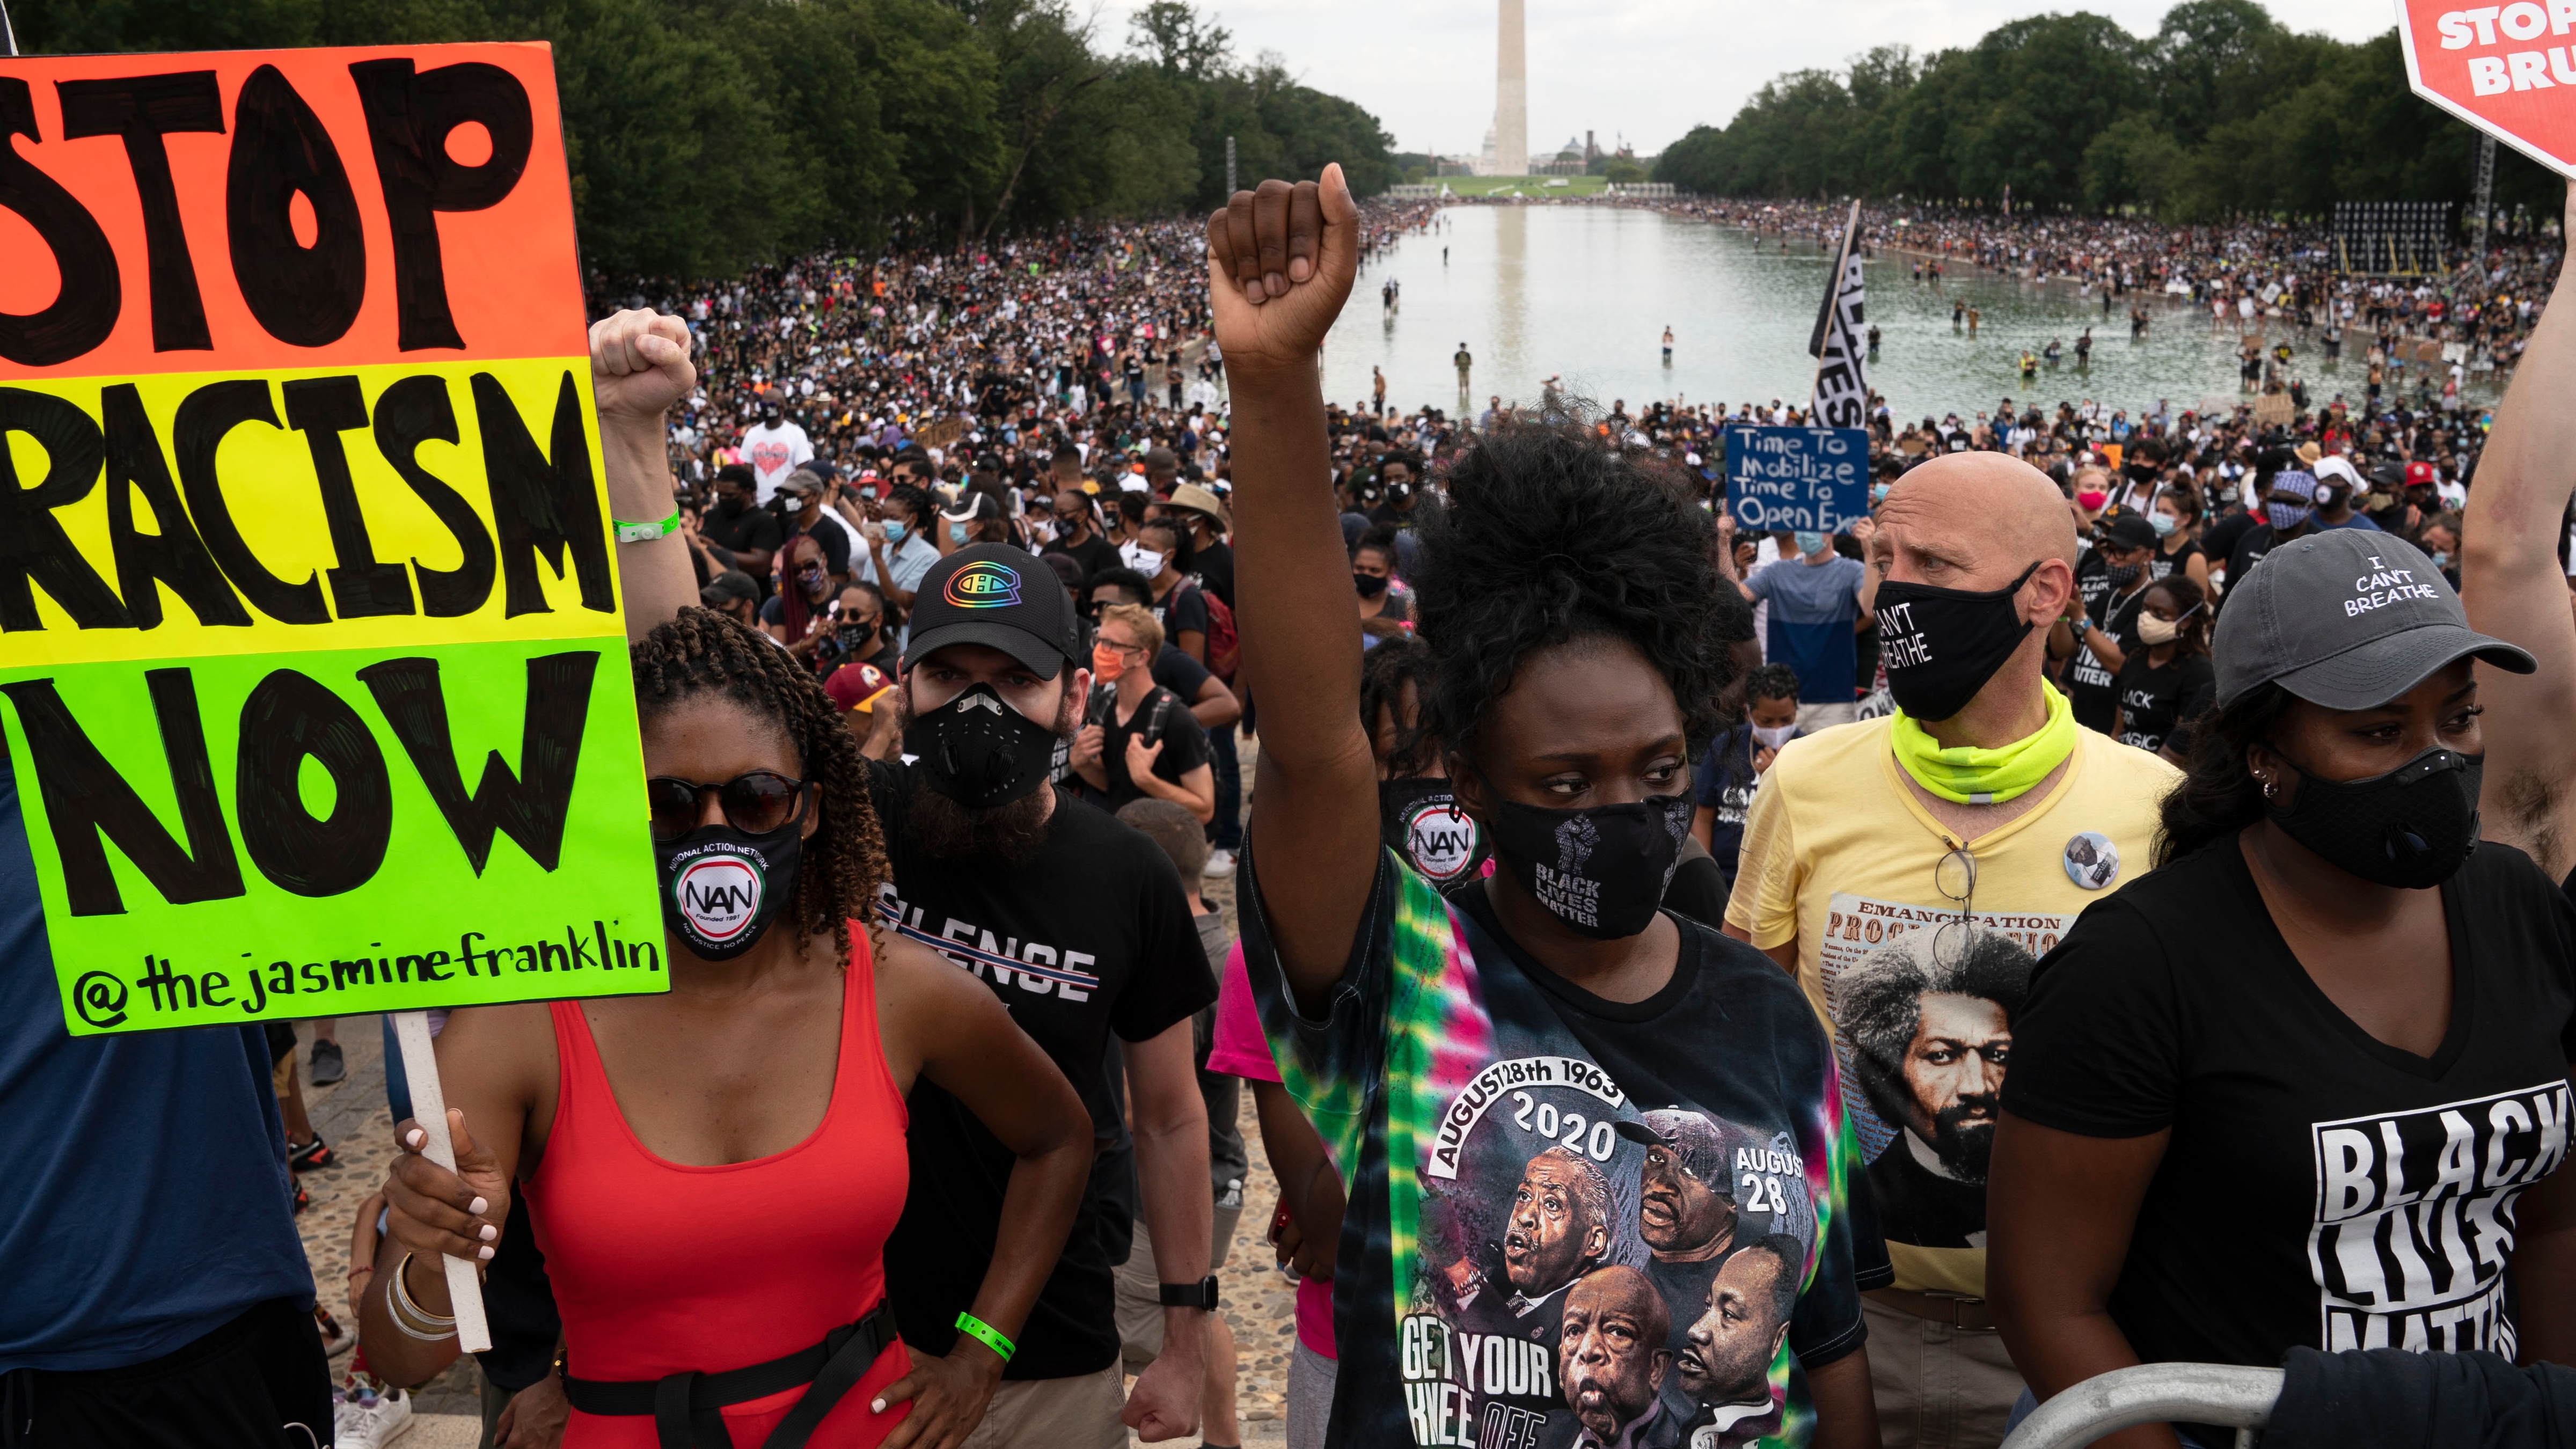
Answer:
x=2101 y=634
x=1078 y=923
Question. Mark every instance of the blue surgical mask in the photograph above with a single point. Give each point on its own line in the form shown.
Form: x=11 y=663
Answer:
x=2163 y=523
x=1809 y=543
x=1878 y=493
x=2441 y=560
x=894 y=531
x=957 y=533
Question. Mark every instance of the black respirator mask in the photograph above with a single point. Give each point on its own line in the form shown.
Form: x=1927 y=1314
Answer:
x=2410 y=828
x=980 y=752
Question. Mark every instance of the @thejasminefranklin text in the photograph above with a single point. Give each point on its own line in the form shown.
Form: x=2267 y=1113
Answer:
x=106 y=998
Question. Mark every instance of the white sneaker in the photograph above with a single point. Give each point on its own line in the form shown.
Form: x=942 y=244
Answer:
x=365 y=1426
x=1220 y=865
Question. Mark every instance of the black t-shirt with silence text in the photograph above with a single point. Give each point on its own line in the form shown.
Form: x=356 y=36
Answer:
x=2321 y=1187
x=1089 y=939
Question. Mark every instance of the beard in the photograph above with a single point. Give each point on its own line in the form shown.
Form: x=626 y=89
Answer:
x=1006 y=834
x=1011 y=833
x=1965 y=1143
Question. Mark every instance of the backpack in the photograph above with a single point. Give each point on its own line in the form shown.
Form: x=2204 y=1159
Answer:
x=1224 y=650
x=1102 y=709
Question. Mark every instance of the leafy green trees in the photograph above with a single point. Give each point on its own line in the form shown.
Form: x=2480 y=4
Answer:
x=2222 y=112
x=710 y=135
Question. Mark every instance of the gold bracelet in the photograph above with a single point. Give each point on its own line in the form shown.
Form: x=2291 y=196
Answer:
x=408 y=1316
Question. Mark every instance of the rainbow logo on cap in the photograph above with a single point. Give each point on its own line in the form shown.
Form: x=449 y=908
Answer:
x=983 y=586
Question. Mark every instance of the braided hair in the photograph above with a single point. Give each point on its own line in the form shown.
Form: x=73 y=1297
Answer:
x=702 y=652
x=1554 y=536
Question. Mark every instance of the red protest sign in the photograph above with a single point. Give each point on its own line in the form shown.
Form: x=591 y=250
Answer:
x=2501 y=68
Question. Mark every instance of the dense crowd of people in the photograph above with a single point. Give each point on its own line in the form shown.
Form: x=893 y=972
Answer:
x=2108 y=904
x=2243 y=274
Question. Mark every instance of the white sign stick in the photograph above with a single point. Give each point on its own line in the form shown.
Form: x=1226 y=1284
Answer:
x=429 y=1108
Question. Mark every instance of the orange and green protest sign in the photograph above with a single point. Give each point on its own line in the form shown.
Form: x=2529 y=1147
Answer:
x=316 y=687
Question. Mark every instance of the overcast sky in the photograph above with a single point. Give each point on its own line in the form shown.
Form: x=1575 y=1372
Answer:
x=1649 y=68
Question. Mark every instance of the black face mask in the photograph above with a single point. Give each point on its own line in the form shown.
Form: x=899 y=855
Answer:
x=1420 y=821
x=1940 y=646
x=2410 y=828
x=980 y=752
x=721 y=888
x=731 y=505
x=1370 y=585
x=1602 y=871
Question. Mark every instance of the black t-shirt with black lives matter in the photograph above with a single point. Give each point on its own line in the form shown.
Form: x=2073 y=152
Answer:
x=1090 y=937
x=2321 y=1187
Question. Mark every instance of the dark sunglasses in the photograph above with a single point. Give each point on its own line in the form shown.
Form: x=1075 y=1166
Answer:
x=754 y=804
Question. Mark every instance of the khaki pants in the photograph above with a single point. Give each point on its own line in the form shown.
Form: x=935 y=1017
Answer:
x=1937 y=1387
x=1074 y=1413
x=1140 y=1289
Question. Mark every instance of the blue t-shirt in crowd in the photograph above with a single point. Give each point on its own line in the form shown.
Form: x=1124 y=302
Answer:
x=1813 y=607
x=148 y=1199
x=2358 y=520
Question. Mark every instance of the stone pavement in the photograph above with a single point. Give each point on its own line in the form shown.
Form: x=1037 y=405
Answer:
x=1260 y=1303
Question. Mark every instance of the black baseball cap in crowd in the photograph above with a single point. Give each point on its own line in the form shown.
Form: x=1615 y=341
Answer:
x=2349 y=619
x=2129 y=531
x=998 y=596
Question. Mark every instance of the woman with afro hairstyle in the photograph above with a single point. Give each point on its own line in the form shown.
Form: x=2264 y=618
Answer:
x=713 y=1171
x=1559 y=1108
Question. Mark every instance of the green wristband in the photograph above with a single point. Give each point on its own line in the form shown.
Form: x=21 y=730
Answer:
x=646 y=532
x=987 y=1335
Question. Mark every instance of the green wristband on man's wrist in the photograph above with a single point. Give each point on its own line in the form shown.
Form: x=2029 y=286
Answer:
x=987 y=1335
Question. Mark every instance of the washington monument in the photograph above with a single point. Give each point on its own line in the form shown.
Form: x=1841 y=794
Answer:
x=1511 y=92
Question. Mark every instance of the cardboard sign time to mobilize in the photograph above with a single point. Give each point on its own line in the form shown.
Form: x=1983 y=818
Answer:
x=2509 y=70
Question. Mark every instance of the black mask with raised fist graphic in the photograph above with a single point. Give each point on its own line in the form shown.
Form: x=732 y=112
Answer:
x=1601 y=870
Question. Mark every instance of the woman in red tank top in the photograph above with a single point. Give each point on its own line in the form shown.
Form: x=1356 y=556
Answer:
x=713 y=1172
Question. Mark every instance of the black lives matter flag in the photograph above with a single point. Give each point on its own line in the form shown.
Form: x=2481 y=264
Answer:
x=1842 y=389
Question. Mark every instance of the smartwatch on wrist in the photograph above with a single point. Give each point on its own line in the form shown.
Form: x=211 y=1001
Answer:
x=1201 y=1294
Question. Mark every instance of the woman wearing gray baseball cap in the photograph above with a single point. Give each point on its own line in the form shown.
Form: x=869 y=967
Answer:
x=2286 y=1088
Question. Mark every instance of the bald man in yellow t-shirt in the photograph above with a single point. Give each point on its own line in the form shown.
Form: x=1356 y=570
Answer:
x=1909 y=872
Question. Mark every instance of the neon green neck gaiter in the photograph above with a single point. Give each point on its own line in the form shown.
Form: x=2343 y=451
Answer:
x=1971 y=775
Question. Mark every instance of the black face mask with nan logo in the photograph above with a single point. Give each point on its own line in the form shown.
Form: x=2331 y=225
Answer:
x=721 y=888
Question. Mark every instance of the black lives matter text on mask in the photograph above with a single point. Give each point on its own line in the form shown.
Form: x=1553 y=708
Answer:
x=2415 y=1219
x=108 y=999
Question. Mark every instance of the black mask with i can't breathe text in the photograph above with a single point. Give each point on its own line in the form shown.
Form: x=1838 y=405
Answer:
x=1940 y=646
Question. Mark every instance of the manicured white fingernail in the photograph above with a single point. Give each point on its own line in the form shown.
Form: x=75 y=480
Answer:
x=416 y=1138
x=489 y=1233
x=477 y=1206
x=876 y=1406
x=483 y=1253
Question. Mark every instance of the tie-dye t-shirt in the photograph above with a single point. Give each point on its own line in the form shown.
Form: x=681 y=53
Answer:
x=1573 y=1221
